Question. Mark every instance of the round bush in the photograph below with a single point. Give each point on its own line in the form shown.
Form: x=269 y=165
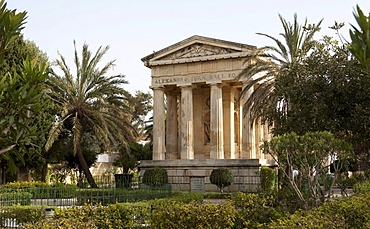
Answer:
x=155 y=177
x=222 y=178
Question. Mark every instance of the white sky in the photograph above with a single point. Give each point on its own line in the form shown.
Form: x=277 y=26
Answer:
x=135 y=28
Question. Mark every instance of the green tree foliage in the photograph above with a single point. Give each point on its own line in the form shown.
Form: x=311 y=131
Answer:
x=19 y=50
x=140 y=105
x=23 y=70
x=360 y=39
x=309 y=154
x=129 y=158
x=155 y=177
x=266 y=64
x=222 y=178
x=90 y=100
x=268 y=179
x=11 y=25
x=326 y=93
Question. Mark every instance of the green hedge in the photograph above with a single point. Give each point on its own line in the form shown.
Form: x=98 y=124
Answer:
x=242 y=211
x=255 y=211
x=350 y=212
x=40 y=190
x=105 y=217
x=15 y=198
x=110 y=196
x=60 y=223
x=23 y=214
x=362 y=187
x=193 y=215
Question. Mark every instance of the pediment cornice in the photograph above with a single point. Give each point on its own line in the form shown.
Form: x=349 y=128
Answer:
x=197 y=48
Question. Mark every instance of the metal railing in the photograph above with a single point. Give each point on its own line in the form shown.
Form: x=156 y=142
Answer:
x=109 y=191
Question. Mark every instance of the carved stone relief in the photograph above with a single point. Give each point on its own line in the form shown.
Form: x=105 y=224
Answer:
x=197 y=50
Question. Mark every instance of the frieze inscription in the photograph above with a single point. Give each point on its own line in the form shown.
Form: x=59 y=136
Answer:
x=178 y=80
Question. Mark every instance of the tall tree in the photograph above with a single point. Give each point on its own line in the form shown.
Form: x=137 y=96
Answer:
x=90 y=99
x=360 y=39
x=141 y=105
x=20 y=89
x=267 y=64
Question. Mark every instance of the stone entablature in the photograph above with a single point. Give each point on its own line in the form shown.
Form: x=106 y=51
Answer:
x=179 y=80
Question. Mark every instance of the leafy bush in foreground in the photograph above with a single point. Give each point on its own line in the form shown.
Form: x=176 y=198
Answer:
x=349 y=212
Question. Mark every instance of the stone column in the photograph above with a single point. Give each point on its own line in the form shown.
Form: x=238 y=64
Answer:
x=187 y=135
x=216 y=125
x=158 y=124
x=171 y=126
x=232 y=123
x=247 y=126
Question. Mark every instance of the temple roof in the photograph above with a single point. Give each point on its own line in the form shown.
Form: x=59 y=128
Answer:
x=197 y=48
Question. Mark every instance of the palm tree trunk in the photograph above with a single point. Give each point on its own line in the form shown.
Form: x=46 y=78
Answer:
x=44 y=171
x=85 y=167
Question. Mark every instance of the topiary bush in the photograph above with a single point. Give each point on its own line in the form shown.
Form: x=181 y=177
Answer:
x=222 y=178
x=268 y=179
x=155 y=177
x=193 y=215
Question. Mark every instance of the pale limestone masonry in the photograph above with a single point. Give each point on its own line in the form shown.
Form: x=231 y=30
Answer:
x=198 y=115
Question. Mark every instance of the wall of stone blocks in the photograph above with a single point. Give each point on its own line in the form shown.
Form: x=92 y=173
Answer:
x=193 y=175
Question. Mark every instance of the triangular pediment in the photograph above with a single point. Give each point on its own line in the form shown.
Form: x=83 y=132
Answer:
x=197 y=48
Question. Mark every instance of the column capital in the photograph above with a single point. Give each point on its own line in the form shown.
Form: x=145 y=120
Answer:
x=157 y=88
x=214 y=83
x=187 y=85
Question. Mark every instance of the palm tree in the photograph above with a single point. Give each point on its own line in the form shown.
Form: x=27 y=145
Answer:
x=360 y=45
x=267 y=63
x=90 y=101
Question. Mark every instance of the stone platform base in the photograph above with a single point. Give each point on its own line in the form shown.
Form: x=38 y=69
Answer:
x=193 y=175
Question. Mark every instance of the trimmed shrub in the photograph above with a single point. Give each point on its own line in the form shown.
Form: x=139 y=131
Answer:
x=105 y=217
x=362 y=188
x=254 y=211
x=60 y=223
x=40 y=190
x=15 y=198
x=268 y=179
x=112 y=195
x=22 y=214
x=222 y=178
x=348 y=212
x=193 y=215
x=155 y=177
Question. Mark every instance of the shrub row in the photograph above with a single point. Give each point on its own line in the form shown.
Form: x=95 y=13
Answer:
x=22 y=214
x=111 y=196
x=40 y=190
x=350 y=212
x=15 y=198
x=242 y=211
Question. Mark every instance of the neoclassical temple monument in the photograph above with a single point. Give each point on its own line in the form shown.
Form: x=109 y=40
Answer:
x=198 y=120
